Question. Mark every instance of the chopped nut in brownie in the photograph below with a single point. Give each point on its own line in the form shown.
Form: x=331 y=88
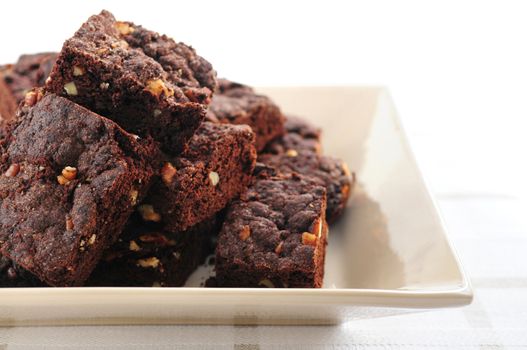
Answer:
x=148 y=213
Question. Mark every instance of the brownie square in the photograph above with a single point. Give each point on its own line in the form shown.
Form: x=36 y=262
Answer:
x=275 y=235
x=298 y=151
x=28 y=72
x=238 y=104
x=69 y=180
x=147 y=256
x=146 y=82
x=215 y=168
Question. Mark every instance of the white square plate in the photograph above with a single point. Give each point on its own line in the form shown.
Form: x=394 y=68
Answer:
x=389 y=254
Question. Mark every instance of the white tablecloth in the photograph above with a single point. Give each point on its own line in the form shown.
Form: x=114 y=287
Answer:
x=491 y=238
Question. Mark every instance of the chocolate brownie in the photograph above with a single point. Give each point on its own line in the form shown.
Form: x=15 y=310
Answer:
x=28 y=72
x=8 y=106
x=69 y=179
x=238 y=104
x=299 y=135
x=146 y=256
x=215 y=168
x=146 y=82
x=298 y=152
x=275 y=235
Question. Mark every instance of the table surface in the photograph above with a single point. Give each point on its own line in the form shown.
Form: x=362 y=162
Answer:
x=490 y=236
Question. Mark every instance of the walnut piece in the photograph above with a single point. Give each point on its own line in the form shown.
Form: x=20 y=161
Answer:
x=69 y=173
x=124 y=28
x=279 y=248
x=71 y=89
x=82 y=245
x=62 y=180
x=214 y=178
x=121 y=43
x=92 y=239
x=13 y=170
x=133 y=196
x=78 y=71
x=134 y=246
x=32 y=97
x=309 y=239
x=168 y=171
x=157 y=87
x=69 y=224
x=152 y=262
x=291 y=153
x=148 y=213
x=245 y=232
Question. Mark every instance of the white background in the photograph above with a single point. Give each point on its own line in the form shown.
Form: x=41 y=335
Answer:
x=457 y=69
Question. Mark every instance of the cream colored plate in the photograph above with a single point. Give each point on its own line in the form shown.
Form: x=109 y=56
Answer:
x=388 y=255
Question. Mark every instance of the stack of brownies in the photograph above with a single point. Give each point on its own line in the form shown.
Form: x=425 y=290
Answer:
x=122 y=158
